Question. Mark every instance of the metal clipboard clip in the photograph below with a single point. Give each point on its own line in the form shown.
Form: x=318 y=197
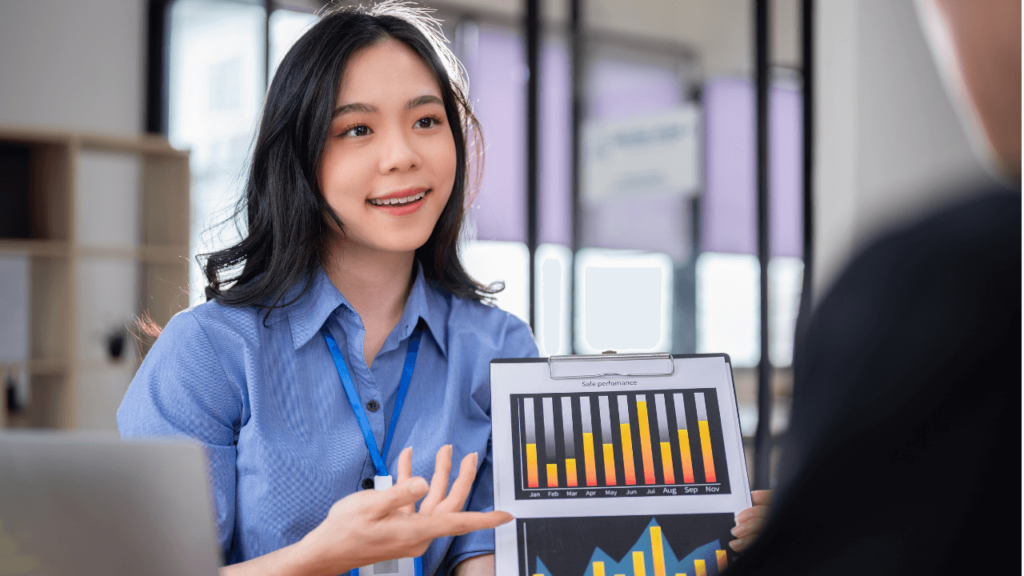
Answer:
x=575 y=367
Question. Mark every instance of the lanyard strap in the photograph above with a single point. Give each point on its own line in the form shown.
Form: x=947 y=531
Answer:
x=357 y=407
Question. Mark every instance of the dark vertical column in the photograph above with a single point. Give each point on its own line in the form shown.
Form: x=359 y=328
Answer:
x=807 y=56
x=156 y=66
x=577 y=57
x=532 y=38
x=762 y=439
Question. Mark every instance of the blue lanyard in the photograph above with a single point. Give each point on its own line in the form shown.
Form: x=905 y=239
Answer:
x=357 y=407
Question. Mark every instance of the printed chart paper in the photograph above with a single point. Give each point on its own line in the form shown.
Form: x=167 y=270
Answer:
x=616 y=475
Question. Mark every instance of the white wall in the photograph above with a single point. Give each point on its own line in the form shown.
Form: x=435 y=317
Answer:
x=69 y=64
x=889 y=144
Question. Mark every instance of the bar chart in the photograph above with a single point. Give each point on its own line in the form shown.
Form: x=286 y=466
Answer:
x=601 y=445
x=694 y=545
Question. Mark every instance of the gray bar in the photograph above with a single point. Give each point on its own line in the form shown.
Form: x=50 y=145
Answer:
x=623 y=411
x=659 y=404
x=677 y=399
x=606 y=420
x=549 y=428
x=567 y=427
x=588 y=426
x=531 y=422
x=702 y=409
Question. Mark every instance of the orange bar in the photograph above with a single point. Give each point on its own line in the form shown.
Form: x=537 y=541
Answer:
x=657 y=551
x=627 y=455
x=666 y=463
x=588 y=458
x=638 y=564
x=645 y=442
x=609 y=465
x=705 y=448
x=552 y=475
x=684 y=451
x=699 y=568
x=723 y=562
x=570 y=472
x=531 y=466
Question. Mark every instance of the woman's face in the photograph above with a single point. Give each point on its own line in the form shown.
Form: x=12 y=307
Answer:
x=389 y=163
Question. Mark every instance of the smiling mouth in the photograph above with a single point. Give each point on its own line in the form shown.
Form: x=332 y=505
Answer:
x=398 y=201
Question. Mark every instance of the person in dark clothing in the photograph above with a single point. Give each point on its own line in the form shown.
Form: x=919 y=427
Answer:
x=904 y=447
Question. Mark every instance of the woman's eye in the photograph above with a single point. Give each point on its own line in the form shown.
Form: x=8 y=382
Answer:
x=357 y=131
x=427 y=122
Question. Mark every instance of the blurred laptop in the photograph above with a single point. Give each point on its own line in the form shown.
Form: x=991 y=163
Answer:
x=88 y=504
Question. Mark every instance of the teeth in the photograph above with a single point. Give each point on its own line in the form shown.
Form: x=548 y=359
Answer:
x=390 y=201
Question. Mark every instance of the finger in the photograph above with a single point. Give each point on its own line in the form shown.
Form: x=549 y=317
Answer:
x=761 y=497
x=459 y=523
x=456 y=499
x=402 y=494
x=752 y=513
x=405 y=473
x=439 y=483
x=740 y=545
x=749 y=529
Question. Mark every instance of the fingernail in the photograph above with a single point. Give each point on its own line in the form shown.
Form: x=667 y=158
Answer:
x=735 y=545
x=738 y=531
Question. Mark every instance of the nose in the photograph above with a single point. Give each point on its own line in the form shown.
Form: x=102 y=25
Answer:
x=398 y=153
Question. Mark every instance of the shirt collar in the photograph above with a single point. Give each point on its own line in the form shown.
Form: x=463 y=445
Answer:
x=310 y=311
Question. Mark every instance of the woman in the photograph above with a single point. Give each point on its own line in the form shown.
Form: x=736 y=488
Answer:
x=344 y=307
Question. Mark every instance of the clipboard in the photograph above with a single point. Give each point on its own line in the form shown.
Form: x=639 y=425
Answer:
x=616 y=464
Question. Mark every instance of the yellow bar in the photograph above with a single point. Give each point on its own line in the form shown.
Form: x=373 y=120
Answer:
x=627 y=454
x=645 y=442
x=705 y=448
x=680 y=573
x=698 y=567
x=598 y=568
x=723 y=562
x=666 y=463
x=609 y=465
x=588 y=458
x=684 y=452
x=531 y=466
x=570 y=471
x=552 y=475
x=638 y=564
x=657 y=552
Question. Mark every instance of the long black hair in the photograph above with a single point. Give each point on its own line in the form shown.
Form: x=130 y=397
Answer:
x=288 y=220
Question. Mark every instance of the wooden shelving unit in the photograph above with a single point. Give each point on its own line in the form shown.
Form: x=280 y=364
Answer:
x=105 y=231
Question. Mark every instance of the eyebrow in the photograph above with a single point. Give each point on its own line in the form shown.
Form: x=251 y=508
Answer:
x=368 y=109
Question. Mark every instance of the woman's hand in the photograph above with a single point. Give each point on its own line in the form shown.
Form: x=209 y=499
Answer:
x=371 y=526
x=750 y=521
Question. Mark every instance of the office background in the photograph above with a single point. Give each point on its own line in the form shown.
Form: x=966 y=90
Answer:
x=661 y=259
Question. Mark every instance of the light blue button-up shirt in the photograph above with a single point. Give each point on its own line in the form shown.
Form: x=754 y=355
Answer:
x=266 y=401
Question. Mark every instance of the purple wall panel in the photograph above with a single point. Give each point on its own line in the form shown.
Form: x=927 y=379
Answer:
x=498 y=92
x=554 y=211
x=729 y=212
x=729 y=219
x=650 y=223
x=623 y=88
x=786 y=175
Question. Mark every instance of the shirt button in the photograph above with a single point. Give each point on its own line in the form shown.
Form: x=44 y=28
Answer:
x=367 y=483
x=373 y=405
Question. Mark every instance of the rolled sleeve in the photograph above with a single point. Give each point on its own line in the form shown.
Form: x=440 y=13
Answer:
x=517 y=343
x=182 y=390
